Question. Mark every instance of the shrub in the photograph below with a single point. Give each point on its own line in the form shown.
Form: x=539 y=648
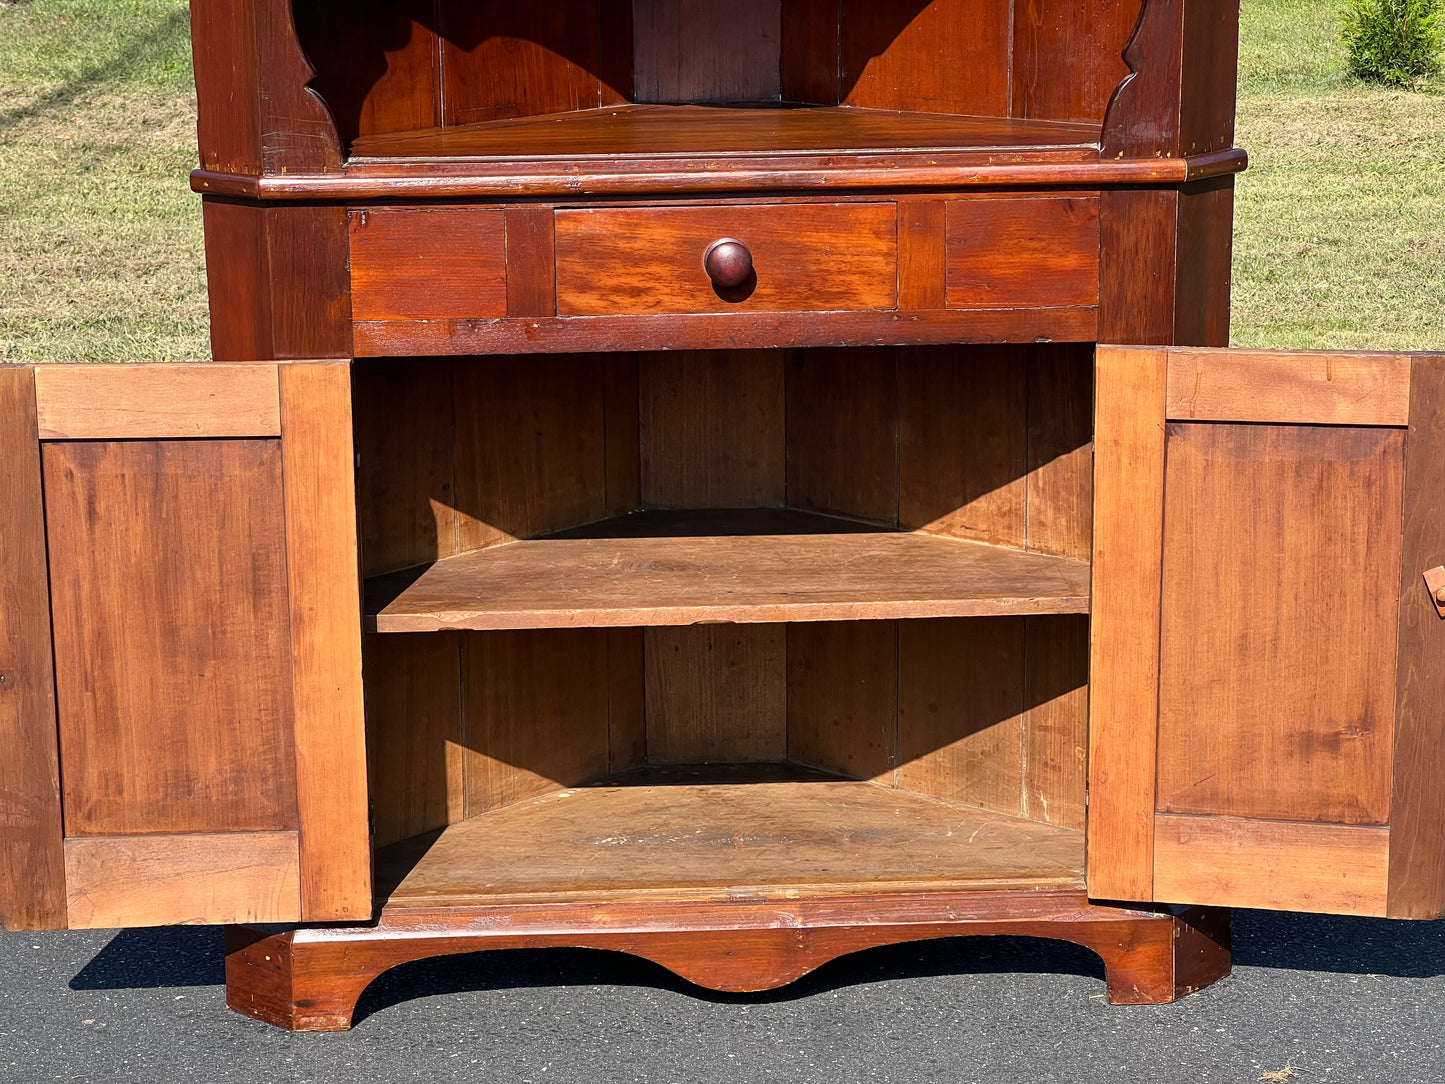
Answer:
x=1397 y=42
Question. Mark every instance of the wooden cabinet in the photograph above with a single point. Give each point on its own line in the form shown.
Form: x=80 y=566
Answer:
x=660 y=490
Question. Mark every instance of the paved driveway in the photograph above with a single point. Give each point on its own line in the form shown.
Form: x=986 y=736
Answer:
x=1339 y=999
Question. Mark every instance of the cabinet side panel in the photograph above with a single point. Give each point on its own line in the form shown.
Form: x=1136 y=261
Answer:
x=1068 y=57
x=531 y=446
x=843 y=697
x=962 y=436
x=1124 y=614
x=716 y=693
x=320 y=485
x=171 y=628
x=1137 y=241
x=1203 y=258
x=1281 y=565
x=932 y=56
x=960 y=710
x=32 y=867
x=1417 y=816
x=536 y=713
x=502 y=59
x=413 y=733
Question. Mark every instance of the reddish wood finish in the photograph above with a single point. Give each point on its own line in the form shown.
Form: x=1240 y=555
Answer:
x=311 y=979
x=420 y=264
x=1010 y=253
x=32 y=866
x=531 y=261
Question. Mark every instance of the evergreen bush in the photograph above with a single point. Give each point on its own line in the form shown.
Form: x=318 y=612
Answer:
x=1397 y=42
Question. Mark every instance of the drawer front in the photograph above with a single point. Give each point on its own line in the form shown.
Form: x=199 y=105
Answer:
x=1022 y=252
x=806 y=257
x=428 y=264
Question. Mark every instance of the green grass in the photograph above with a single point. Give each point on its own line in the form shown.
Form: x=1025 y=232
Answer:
x=1339 y=233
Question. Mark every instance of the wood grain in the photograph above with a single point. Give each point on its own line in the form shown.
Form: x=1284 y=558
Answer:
x=1125 y=613
x=1056 y=719
x=1137 y=270
x=626 y=699
x=1417 y=817
x=1060 y=486
x=1298 y=690
x=690 y=839
x=695 y=51
x=32 y=868
x=416 y=264
x=619 y=261
x=1278 y=865
x=530 y=447
x=960 y=711
x=414 y=750
x=119 y=402
x=323 y=573
x=537 y=714
x=1067 y=57
x=756 y=568
x=1203 y=262
x=621 y=407
x=164 y=880
x=716 y=694
x=1289 y=387
x=962 y=436
x=172 y=676
x=531 y=256
x=922 y=253
x=843 y=697
x=1011 y=252
x=842 y=432
x=711 y=430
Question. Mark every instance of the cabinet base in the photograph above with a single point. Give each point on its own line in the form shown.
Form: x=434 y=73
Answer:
x=310 y=978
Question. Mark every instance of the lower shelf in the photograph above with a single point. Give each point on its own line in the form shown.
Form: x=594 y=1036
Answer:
x=693 y=834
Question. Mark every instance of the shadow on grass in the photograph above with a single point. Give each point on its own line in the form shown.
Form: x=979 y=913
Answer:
x=116 y=68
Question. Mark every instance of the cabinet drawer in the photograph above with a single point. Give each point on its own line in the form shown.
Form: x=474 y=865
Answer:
x=805 y=257
x=1019 y=252
x=428 y=264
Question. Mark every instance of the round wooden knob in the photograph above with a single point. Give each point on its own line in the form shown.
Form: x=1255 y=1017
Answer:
x=1439 y=597
x=728 y=263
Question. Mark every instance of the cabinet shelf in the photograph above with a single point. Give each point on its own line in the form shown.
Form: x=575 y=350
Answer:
x=766 y=831
x=758 y=565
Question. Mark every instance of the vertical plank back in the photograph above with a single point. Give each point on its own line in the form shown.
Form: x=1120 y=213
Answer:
x=703 y=51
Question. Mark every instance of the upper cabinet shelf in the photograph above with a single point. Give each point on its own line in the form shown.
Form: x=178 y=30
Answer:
x=573 y=97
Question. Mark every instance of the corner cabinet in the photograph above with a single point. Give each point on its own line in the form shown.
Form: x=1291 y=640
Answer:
x=660 y=490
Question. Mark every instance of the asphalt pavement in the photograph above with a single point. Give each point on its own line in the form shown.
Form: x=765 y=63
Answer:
x=1311 y=999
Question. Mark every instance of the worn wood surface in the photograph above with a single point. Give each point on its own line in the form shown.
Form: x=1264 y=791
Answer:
x=1298 y=690
x=922 y=253
x=1203 y=262
x=1289 y=387
x=1125 y=613
x=1056 y=719
x=32 y=869
x=325 y=624
x=1137 y=265
x=1278 y=865
x=151 y=402
x=172 y=676
x=1059 y=490
x=1012 y=252
x=1417 y=816
x=639 y=261
x=163 y=880
x=310 y=979
x=1067 y=57
x=531 y=260
x=716 y=694
x=680 y=569
x=685 y=839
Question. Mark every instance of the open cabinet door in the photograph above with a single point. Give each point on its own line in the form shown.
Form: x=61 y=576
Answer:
x=181 y=733
x=1267 y=725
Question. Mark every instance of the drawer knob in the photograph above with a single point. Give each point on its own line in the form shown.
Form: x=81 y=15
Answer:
x=728 y=263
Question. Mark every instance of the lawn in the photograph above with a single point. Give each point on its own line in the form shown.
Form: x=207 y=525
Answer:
x=1340 y=221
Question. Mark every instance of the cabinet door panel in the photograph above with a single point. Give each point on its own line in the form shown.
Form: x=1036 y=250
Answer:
x=1283 y=752
x=192 y=572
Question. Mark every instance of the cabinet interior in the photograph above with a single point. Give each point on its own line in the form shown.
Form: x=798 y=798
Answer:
x=398 y=76
x=580 y=734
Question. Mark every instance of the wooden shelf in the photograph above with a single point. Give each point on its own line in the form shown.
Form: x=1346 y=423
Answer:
x=654 y=131
x=669 y=568
x=703 y=833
